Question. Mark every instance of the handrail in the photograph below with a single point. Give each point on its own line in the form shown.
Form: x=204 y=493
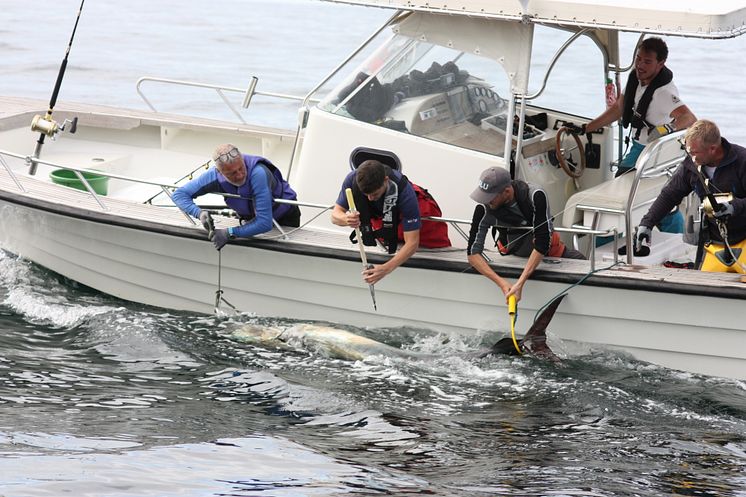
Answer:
x=454 y=222
x=248 y=92
x=554 y=60
x=648 y=153
x=307 y=98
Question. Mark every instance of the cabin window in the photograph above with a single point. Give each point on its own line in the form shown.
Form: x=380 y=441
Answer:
x=428 y=90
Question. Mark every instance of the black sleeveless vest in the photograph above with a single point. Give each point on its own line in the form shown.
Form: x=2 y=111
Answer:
x=517 y=241
x=390 y=220
x=636 y=116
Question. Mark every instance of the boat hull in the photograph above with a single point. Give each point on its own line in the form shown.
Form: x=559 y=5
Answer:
x=178 y=268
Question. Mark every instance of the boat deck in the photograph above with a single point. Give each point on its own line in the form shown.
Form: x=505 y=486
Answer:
x=41 y=193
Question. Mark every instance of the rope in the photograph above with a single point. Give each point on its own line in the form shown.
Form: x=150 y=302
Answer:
x=566 y=290
x=219 y=292
x=723 y=228
x=189 y=175
x=283 y=235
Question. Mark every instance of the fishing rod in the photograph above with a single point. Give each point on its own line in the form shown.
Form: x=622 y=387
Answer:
x=46 y=126
x=721 y=223
x=710 y=196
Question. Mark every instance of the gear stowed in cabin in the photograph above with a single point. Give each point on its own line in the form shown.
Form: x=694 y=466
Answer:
x=372 y=99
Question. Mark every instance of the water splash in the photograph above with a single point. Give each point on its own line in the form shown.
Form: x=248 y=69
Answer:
x=38 y=295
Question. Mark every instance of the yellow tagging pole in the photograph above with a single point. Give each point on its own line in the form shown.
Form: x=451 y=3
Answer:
x=363 y=258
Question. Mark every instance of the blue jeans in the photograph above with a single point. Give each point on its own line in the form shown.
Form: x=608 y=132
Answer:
x=630 y=158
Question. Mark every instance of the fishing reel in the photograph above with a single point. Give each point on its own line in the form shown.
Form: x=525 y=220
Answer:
x=707 y=207
x=48 y=126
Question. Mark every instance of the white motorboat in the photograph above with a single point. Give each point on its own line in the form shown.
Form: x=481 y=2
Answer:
x=463 y=74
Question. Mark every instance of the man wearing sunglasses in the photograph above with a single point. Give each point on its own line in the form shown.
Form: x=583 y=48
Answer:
x=255 y=181
x=714 y=168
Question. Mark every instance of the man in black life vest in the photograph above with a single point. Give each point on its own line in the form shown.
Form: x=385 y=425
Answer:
x=654 y=108
x=520 y=212
x=384 y=194
x=651 y=106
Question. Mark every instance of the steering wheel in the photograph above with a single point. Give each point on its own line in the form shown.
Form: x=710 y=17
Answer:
x=564 y=153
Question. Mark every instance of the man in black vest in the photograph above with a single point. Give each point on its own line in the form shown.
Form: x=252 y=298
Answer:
x=386 y=195
x=520 y=212
x=653 y=110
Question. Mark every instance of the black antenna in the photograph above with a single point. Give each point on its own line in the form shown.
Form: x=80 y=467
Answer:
x=45 y=125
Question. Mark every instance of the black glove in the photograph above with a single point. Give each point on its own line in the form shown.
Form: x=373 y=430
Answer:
x=574 y=129
x=206 y=219
x=725 y=209
x=220 y=237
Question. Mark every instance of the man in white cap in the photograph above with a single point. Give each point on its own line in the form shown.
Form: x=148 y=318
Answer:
x=512 y=206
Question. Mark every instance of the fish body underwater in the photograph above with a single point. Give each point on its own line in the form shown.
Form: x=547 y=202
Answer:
x=330 y=342
x=341 y=344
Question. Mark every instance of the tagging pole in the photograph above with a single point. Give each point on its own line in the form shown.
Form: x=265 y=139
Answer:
x=513 y=313
x=363 y=257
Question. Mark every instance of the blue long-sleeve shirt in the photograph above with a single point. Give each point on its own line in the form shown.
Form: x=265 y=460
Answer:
x=208 y=183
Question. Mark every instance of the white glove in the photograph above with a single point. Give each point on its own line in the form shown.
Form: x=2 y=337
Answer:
x=206 y=219
x=642 y=238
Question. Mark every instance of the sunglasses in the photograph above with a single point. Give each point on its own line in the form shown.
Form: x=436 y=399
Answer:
x=227 y=157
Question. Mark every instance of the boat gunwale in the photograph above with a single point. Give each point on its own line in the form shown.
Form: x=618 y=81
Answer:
x=603 y=277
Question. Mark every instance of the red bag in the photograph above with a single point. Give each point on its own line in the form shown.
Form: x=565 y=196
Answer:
x=433 y=234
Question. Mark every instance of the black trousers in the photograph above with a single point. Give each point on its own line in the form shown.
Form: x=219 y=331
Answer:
x=292 y=218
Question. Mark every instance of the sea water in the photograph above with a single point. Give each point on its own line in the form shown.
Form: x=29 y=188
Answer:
x=104 y=397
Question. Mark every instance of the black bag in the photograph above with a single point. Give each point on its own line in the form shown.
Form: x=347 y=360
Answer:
x=370 y=102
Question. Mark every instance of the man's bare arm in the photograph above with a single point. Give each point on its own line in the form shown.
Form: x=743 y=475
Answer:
x=478 y=263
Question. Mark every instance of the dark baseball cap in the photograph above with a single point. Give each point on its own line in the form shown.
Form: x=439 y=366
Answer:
x=492 y=182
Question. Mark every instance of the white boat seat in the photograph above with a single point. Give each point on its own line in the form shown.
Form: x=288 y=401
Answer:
x=581 y=208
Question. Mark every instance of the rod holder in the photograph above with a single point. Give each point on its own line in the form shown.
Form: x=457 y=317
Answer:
x=249 y=92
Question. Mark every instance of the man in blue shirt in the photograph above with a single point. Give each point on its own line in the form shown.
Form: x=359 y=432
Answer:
x=384 y=199
x=255 y=181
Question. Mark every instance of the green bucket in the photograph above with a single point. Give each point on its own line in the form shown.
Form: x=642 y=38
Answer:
x=67 y=177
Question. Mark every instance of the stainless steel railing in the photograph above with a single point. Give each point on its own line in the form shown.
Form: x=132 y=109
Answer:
x=248 y=92
x=167 y=188
x=649 y=157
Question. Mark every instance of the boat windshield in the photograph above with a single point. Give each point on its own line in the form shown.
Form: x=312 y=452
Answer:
x=428 y=90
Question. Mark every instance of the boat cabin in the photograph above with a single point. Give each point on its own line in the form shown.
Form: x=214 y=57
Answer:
x=449 y=90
